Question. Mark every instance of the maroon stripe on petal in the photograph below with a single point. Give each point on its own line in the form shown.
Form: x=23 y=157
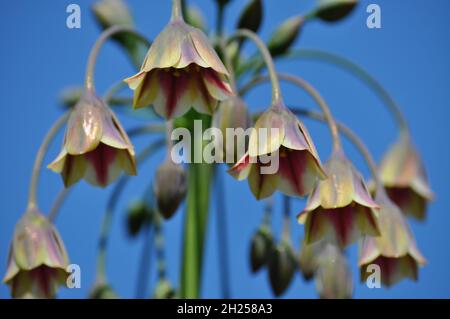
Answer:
x=174 y=84
x=101 y=158
x=292 y=166
x=342 y=220
x=212 y=77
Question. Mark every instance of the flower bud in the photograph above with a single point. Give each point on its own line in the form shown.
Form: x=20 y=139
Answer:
x=333 y=277
x=251 y=16
x=170 y=188
x=261 y=247
x=164 y=290
x=139 y=214
x=232 y=114
x=37 y=259
x=102 y=291
x=335 y=10
x=285 y=35
x=282 y=265
x=307 y=260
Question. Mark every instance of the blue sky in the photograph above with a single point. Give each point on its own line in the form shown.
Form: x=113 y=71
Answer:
x=409 y=55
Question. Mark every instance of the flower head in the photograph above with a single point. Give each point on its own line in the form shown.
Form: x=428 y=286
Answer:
x=181 y=70
x=37 y=259
x=95 y=147
x=333 y=276
x=403 y=174
x=340 y=209
x=278 y=131
x=395 y=251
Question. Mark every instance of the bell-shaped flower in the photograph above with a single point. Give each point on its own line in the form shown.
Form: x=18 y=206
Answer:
x=181 y=70
x=340 y=209
x=37 y=259
x=395 y=251
x=232 y=117
x=403 y=174
x=333 y=276
x=95 y=147
x=279 y=136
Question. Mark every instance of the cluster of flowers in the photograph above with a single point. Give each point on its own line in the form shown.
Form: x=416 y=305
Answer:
x=182 y=70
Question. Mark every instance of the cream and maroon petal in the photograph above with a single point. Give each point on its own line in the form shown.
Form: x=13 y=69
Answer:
x=84 y=129
x=174 y=98
x=394 y=240
x=416 y=254
x=136 y=80
x=127 y=162
x=12 y=269
x=268 y=134
x=100 y=169
x=262 y=185
x=189 y=55
x=203 y=102
x=316 y=226
x=165 y=51
x=298 y=172
x=147 y=90
x=217 y=87
x=74 y=169
x=241 y=169
x=113 y=133
x=361 y=193
x=58 y=164
x=368 y=251
x=294 y=137
x=206 y=52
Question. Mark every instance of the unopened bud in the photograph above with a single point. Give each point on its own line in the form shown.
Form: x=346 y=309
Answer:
x=164 y=290
x=285 y=35
x=335 y=10
x=170 y=188
x=281 y=267
x=139 y=215
x=103 y=291
x=251 y=16
x=261 y=247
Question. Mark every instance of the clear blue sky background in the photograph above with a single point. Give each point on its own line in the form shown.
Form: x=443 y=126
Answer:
x=409 y=55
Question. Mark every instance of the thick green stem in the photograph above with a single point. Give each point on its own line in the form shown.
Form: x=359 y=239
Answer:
x=276 y=92
x=360 y=73
x=32 y=193
x=104 y=36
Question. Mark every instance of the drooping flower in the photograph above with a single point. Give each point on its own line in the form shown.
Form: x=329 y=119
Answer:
x=95 y=147
x=403 y=174
x=279 y=132
x=232 y=114
x=181 y=70
x=395 y=251
x=37 y=259
x=340 y=209
x=333 y=276
x=170 y=187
